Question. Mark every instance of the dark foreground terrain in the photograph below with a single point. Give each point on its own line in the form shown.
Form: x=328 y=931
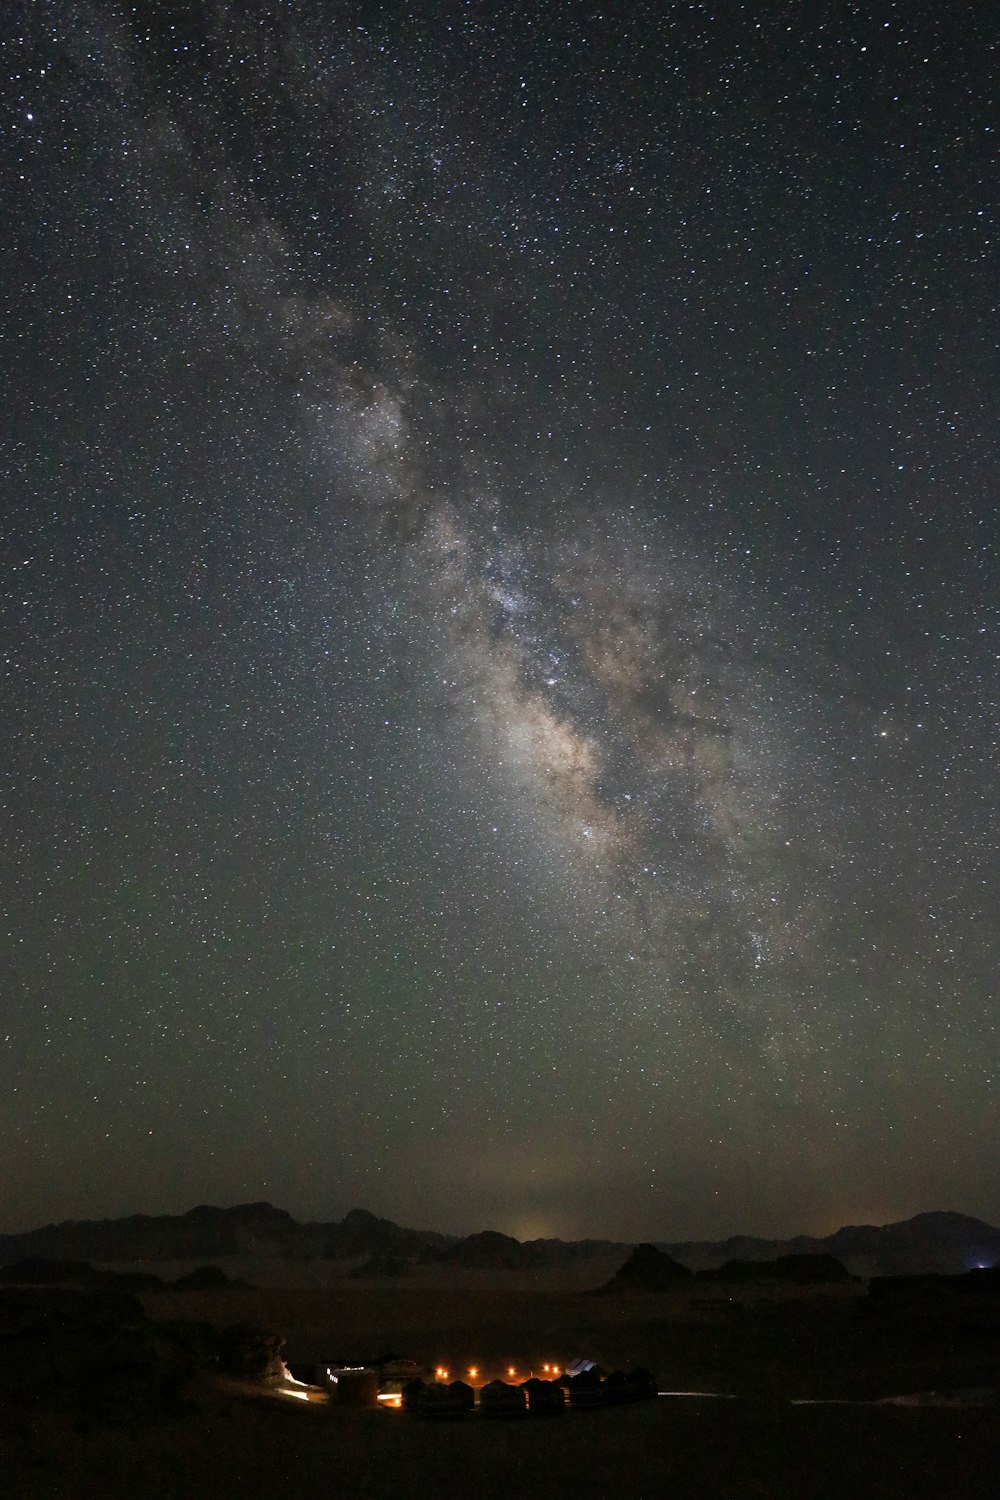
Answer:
x=111 y=1396
x=242 y=1447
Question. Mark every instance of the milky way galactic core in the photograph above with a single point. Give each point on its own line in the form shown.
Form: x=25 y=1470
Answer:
x=499 y=606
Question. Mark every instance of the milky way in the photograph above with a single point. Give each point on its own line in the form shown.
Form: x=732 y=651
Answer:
x=500 y=616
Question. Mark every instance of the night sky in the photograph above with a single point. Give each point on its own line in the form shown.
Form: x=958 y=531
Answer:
x=499 y=604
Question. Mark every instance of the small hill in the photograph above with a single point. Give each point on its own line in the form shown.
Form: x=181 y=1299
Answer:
x=649 y=1270
x=793 y=1270
x=491 y=1251
x=363 y=1233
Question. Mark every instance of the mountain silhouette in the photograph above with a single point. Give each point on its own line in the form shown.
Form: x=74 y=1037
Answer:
x=939 y=1242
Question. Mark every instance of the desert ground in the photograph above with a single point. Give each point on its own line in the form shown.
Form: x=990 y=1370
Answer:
x=792 y=1343
x=762 y=1356
x=695 y=1450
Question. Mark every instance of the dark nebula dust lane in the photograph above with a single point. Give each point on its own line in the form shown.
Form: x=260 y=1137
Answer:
x=498 y=596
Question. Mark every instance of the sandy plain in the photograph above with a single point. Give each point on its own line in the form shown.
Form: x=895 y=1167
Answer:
x=766 y=1352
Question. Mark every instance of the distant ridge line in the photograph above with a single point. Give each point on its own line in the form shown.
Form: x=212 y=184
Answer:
x=935 y=1241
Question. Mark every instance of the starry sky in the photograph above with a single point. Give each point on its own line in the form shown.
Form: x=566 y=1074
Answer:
x=499 y=612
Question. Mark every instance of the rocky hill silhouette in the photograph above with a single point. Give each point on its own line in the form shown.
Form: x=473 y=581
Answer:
x=209 y=1233
x=203 y=1233
x=795 y=1270
x=649 y=1270
x=928 y=1243
x=98 y=1355
x=944 y=1243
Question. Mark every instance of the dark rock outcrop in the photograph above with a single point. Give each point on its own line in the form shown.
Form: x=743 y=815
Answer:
x=362 y=1233
x=793 y=1270
x=490 y=1251
x=92 y=1352
x=97 y=1354
x=207 y=1279
x=649 y=1270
